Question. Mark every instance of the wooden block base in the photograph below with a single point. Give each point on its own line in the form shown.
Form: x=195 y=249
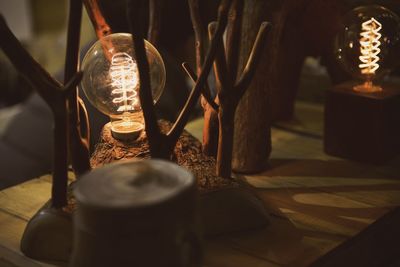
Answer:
x=362 y=126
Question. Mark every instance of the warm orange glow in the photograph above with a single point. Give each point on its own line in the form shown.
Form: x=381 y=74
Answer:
x=124 y=76
x=369 y=46
x=369 y=49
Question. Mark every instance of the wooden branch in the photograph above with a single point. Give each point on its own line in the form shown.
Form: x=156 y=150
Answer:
x=55 y=95
x=73 y=36
x=79 y=146
x=233 y=32
x=84 y=119
x=220 y=68
x=201 y=42
x=69 y=87
x=27 y=66
x=162 y=145
x=155 y=15
x=100 y=25
x=199 y=33
x=254 y=58
x=189 y=71
x=60 y=162
x=214 y=46
x=96 y=17
x=146 y=99
x=229 y=93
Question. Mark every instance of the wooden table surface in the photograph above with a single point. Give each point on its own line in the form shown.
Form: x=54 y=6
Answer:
x=316 y=202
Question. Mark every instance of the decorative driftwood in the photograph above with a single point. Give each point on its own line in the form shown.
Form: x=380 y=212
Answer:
x=161 y=145
x=55 y=95
x=209 y=105
x=230 y=86
x=100 y=25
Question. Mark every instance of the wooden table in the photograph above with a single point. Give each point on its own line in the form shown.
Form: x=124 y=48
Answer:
x=316 y=202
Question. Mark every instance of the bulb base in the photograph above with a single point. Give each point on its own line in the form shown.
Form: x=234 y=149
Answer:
x=367 y=87
x=122 y=131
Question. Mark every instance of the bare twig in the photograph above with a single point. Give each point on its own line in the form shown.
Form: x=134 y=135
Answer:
x=79 y=146
x=162 y=145
x=254 y=58
x=155 y=16
x=220 y=67
x=229 y=91
x=214 y=46
x=55 y=95
x=26 y=65
x=199 y=32
x=233 y=32
x=201 y=42
x=146 y=99
x=189 y=71
x=99 y=23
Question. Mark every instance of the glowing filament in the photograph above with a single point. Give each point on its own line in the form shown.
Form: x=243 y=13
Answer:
x=124 y=77
x=369 y=46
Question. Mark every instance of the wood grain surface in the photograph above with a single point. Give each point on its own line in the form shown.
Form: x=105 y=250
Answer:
x=316 y=202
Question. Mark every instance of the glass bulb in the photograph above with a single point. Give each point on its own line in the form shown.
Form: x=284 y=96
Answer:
x=368 y=44
x=111 y=82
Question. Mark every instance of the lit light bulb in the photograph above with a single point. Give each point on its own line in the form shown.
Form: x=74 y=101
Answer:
x=369 y=50
x=111 y=82
x=368 y=44
x=124 y=76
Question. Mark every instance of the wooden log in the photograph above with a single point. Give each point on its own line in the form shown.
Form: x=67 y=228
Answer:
x=252 y=141
x=139 y=209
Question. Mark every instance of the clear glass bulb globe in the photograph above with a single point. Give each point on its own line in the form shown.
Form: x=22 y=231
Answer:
x=111 y=81
x=368 y=44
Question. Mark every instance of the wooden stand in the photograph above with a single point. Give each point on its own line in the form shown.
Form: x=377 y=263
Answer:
x=362 y=126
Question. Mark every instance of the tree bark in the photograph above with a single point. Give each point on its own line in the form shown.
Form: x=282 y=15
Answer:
x=252 y=139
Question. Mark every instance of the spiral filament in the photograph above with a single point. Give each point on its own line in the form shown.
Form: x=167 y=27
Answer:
x=369 y=46
x=124 y=77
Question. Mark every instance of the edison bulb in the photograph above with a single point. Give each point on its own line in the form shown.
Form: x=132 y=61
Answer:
x=111 y=82
x=368 y=45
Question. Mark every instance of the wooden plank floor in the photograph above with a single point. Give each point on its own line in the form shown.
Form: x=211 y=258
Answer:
x=316 y=202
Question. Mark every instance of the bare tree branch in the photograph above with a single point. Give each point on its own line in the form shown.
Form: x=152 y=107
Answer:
x=155 y=15
x=162 y=145
x=26 y=65
x=254 y=58
x=146 y=99
x=79 y=146
x=220 y=68
x=189 y=71
x=214 y=46
x=96 y=17
x=233 y=31
x=199 y=33
x=55 y=95
x=201 y=42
